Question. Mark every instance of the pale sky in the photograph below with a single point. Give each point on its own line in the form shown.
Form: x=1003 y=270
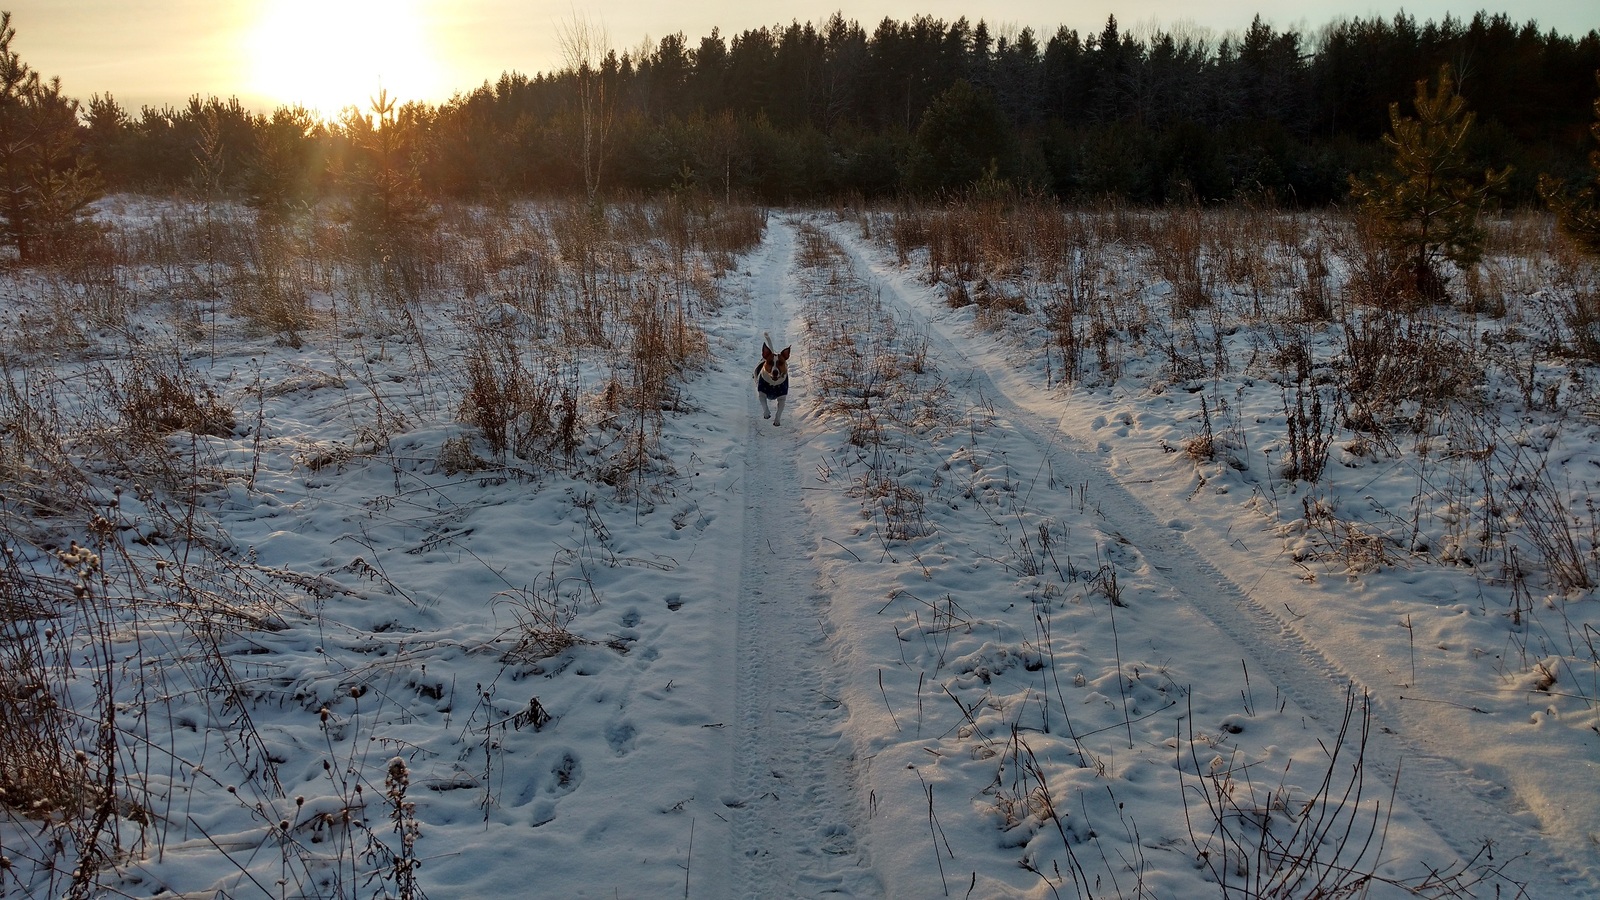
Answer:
x=328 y=53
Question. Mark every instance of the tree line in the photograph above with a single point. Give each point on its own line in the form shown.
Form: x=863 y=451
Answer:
x=809 y=112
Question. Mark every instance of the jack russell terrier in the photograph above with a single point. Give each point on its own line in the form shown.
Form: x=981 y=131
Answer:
x=772 y=379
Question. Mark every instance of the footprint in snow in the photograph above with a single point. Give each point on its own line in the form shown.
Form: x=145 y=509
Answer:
x=621 y=735
x=541 y=810
x=542 y=813
x=558 y=774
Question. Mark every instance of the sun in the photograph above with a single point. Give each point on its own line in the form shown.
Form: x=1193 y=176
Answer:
x=326 y=55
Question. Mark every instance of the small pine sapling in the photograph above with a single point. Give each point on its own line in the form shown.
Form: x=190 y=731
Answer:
x=1427 y=209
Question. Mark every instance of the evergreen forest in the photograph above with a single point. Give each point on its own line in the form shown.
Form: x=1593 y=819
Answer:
x=810 y=112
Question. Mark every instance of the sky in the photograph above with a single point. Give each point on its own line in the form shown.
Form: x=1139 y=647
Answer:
x=325 y=54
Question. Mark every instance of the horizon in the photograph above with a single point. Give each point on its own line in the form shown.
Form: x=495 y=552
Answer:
x=428 y=51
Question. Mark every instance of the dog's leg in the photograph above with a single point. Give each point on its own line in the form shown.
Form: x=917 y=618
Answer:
x=765 y=412
x=777 y=419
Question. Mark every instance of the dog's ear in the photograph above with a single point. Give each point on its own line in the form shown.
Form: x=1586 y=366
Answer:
x=784 y=356
x=766 y=353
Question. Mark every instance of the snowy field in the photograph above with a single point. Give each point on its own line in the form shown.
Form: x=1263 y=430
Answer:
x=1120 y=575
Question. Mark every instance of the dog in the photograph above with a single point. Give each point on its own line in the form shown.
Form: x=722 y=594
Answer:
x=772 y=379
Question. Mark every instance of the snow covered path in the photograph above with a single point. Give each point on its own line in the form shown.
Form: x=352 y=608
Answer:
x=792 y=797
x=1313 y=670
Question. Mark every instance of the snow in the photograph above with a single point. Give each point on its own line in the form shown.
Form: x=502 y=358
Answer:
x=956 y=628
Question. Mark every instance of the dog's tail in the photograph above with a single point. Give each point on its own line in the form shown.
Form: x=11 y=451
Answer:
x=766 y=340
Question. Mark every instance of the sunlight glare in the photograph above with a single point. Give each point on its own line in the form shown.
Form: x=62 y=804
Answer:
x=327 y=55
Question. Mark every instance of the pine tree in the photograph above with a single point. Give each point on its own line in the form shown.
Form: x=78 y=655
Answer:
x=46 y=179
x=962 y=137
x=388 y=202
x=279 y=173
x=1428 y=209
x=1578 y=213
x=107 y=139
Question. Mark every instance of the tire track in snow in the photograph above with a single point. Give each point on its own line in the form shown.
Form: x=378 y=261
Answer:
x=1462 y=808
x=791 y=801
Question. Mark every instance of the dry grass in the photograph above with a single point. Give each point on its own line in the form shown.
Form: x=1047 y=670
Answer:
x=532 y=415
x=163 y=396
x=1261 y=840
x=1329 y=316
x=474 y=317
x=873 y=375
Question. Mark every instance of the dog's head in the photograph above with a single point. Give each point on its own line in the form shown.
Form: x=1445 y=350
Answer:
x=777 y=364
